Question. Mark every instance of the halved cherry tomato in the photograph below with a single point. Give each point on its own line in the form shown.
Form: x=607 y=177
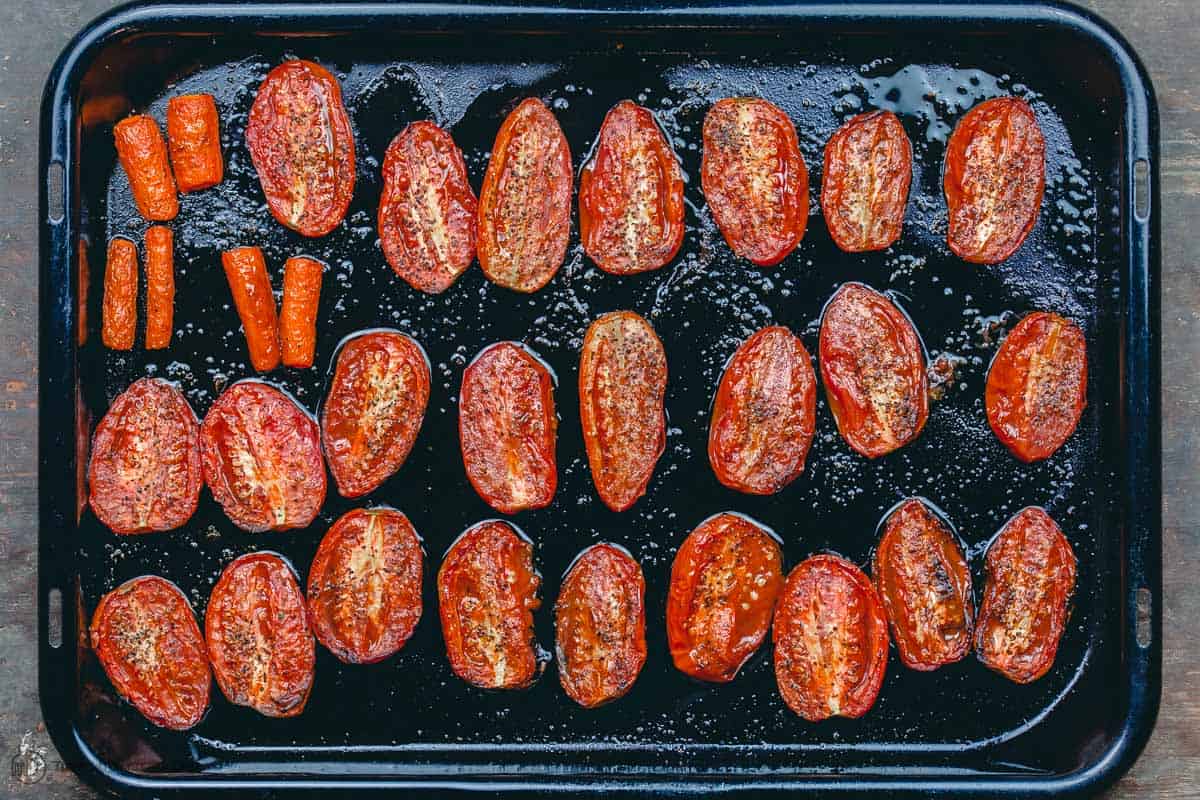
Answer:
x=374 y=410
x=145 y=634
x=302 y=146
x=754 y=178
x=364 y=585
x=622 y=382
x=427 y=212
x=724 y=582
x=764 y=413
x=600 y=626
x=262 y=458
x=873 y=367
x=994 y=179
x=868 y=169
x=143 y=155
x=193 y=131
x=487 y=593
x=1030 y=580
x=259 y=642
x=631 y=195
x=1037 y=385
x=830 y=640
x=145 y=473
x=508 y=429
x=525 y=200
x=119 y=310
x=924 y=583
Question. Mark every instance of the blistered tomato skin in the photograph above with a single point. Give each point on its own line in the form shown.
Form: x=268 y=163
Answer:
x=873 y=367
x=145 y=471
x=364 y=585
x=302 y=146
x=724 y=582
x=487 y=593
x=754 y=178
x=631 y=195
x=525 y=200
x=259 y=641
x=1037 y=386
x=864 y=188
x=262 y=458
x=145 y=634
x=1030 y=580
x=600 y=626
x=994 y=179
x=508 y=428
x=428 y=211
x=924 y=583
x=764 y=413
x=830 y=640
x=374 y=410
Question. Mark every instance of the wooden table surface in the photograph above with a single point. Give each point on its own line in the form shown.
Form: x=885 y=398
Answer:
x=1165 y=32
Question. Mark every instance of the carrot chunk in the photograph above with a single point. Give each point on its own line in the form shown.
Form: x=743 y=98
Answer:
x=298 y=315
x=194 y=136
x=143 y=155
x=160 y=287
x=246 y=272
x=120 y=295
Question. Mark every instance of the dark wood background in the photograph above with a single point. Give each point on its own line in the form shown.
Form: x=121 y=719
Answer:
x=1165 y=32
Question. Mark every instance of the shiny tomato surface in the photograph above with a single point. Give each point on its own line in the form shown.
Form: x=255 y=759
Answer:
x=864 y=188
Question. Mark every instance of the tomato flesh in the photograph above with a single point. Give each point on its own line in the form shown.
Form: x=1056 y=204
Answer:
x=868 y=169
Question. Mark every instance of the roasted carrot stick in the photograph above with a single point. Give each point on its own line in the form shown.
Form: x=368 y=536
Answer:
x=160 y=287
x=193 y=133
x=298 y=316
x=251 y=287
x=120 y=295
x=143 y=154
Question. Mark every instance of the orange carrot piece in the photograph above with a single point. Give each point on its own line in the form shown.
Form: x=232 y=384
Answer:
x=143 y=154
x=120 y=295
x=251 y=287
x=160 y=287
x=298 y=316
x=194 y=136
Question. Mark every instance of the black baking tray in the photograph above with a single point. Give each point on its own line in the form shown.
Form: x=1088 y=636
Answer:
x=408 y=723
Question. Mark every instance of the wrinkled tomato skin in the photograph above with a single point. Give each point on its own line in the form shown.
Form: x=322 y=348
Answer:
x=374 y=410
x=600 y=626
x=259 y=641
x=622 y=383
x=145 y=634
x=262 y=458
x=1030 y=580
x=864 y=187
x=428 y=211
x=631 y=195
x=754 y=178
x=525 y=200
x=145 y=472
x=724 y=582
x=508 y=428
x=828 y=602
x=364 y=585
x=994 y=179
x=873 y=367
x=924 y=583
x=764 y=413
x=302 y=146
x=1037 y=386
x=487 y=593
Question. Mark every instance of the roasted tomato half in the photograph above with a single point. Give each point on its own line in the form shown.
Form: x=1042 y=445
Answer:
x=994 y=179
x=508 y=428
x=374 y=410
x=1030 y=580
x=525 y=200
x=364 y=585
x=754 y=178
x=764 y=413
x=831 y=640
x=259 y=642
x=873 y=367
x=427 y=211
x=622 y=382
x=631 y=195
x=724 y=581
x=868 y=169
x=600 y=625
x=144 y=632
x=1037 y=385
x=302 y=146
x=924 y=583
x=145 y=473
x=487 y=593
x=262 y=458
